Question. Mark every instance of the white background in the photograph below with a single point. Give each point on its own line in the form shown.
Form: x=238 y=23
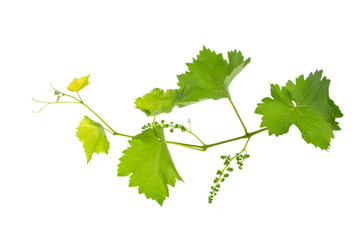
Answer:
x=287 y=189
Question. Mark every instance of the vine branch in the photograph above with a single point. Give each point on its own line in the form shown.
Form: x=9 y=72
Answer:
x=206 y=146
x=202 y=147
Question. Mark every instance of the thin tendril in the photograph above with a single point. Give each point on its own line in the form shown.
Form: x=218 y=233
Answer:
x=41 y=108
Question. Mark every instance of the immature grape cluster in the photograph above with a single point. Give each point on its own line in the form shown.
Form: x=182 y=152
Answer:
x=240 y=158
x=221 y=175
x=170 y=125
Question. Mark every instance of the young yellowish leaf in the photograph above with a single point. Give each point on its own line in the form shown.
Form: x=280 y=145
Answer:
x=93 y=137
x=78 y=83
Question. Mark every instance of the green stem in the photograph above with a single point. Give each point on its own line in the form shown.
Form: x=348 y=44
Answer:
x=124 y=135
x=52 y=102
x=248 y=135
x=244 y=148
x=202 y=147
x=79 y=100
x=48 y=103
x=189 y=131
x=191 y=146
x=113 y=131
x=153 y=123
x=206 y=146
x=196 y=137
x=242 y=123
x=79 y=97
x=64 y=94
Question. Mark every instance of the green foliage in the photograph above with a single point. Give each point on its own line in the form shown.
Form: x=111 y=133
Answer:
x=78 y=83
x=93 y=137
x=149 y=162
x=208 y=77
x=305 y=104
x=158 y=101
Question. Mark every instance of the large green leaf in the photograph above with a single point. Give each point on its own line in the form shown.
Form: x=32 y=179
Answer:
x=93 y=137
x=149 y=162
x=305 y=104
x=208 y=77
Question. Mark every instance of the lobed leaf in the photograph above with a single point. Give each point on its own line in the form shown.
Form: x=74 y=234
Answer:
x=93 y=137
x=158 y=101
x=149 y=162
x=208 y=77
x=305 y=104
x=78 y=83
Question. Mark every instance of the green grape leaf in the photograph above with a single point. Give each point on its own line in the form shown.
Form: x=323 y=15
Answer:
x=78 y=83
x=305 y=104
x=158 y=101
x=209 y=76
x=93 y=137
x=149 y=162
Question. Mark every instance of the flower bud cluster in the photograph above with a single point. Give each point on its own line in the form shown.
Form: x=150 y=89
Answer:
x=221 y=175
x=170 y=125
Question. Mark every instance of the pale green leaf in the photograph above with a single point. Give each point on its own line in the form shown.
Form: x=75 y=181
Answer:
x=149 y=162
x=93 y=137
x=158 y=101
